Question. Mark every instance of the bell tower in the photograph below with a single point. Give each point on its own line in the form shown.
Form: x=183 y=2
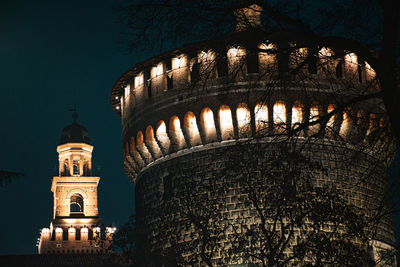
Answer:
x=75 y=224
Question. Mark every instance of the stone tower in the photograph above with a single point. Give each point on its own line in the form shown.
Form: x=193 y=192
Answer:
x=75 y=223
x=185 y=112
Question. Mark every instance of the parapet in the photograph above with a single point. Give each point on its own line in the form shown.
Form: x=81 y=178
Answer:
x=85 y=239
x=236 y=61
x=218 y=91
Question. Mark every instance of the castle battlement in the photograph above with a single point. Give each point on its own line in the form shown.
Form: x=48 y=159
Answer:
x=190 y=115
x=183 y=68
x=205 y=93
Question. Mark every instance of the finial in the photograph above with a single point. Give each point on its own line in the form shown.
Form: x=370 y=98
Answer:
x=74 y=110
x=74 y=116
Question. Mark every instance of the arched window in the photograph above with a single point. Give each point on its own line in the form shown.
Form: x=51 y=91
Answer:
x=86 y=169
x=76 y=203
x=66 y=169
x=75 y=169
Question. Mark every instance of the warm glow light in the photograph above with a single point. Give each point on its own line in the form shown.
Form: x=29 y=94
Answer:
x=157 y=70
x=192 y=121
x=236 y=52
x=111 y=230
x=175 y=127
x=97 y=229
x=345 y=124
x=331 y=108
x=162 y=129
x=139 y=139
x=279 y=112
x=207 y=121
x=178 y=62
x=243 y=117
x=59 y=230
x=351 y=58
x=261 y=116
x=269 y=46
x=205 y=56
x=325 y=52
x=297 y=113
x=208 y=118
x=301 y=52
x=176 y=123
x=150 y=134
x=191 y=128
x=161 y=134
x=139 y=80
x=71 y=230
x=45 y=231
x=127 y=89
x=84 y=230
x=79 y=221
x=225 y=120
x=314 y=112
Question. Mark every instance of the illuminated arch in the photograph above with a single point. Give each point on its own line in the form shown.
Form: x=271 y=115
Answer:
x=76 y=204
x=279 y=113
x=127 y=147
x=151 y=142
x=345 y=126
x=267 y=61
x=176 y=132
x=208 y=125
x=133 y=147
x=75 y=169
x=162 y=136
x=76 y=191
x=243 y=120
x=261 y=116
x=191 y=129
x=314 y=111
x=139 y=138
x=332 y=119
x=142 y=147
x=297 y=113
x=314 y=115
x=225 y=122
x=149 y=133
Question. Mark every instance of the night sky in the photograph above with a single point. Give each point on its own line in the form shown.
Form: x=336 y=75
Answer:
x=48 y=49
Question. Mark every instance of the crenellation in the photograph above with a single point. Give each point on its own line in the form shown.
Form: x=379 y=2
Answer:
x=181 y=70
x=280 y=114
x=197 y=105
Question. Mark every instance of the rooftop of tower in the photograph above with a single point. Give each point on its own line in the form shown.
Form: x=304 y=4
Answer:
x=75 y=133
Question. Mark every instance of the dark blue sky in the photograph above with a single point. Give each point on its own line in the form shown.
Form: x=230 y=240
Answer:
x=48 y=49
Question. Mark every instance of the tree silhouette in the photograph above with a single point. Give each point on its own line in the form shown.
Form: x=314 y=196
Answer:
x=6 y=177
x=289 y=207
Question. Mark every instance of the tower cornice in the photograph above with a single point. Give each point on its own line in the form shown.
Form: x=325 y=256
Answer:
x=74 y=181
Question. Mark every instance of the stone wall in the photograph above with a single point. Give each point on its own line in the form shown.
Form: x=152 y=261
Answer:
x=358 y=177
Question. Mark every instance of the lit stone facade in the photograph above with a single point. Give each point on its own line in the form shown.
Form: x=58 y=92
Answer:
x=187 y=109
x=75 y=224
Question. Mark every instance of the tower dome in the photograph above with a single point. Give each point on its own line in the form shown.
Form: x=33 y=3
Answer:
x=75 y=133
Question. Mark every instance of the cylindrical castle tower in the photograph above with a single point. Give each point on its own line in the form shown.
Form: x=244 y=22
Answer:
x=207 y=111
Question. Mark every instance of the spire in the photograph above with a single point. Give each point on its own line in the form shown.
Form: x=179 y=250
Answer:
x=74 y=110
x=74 y=113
